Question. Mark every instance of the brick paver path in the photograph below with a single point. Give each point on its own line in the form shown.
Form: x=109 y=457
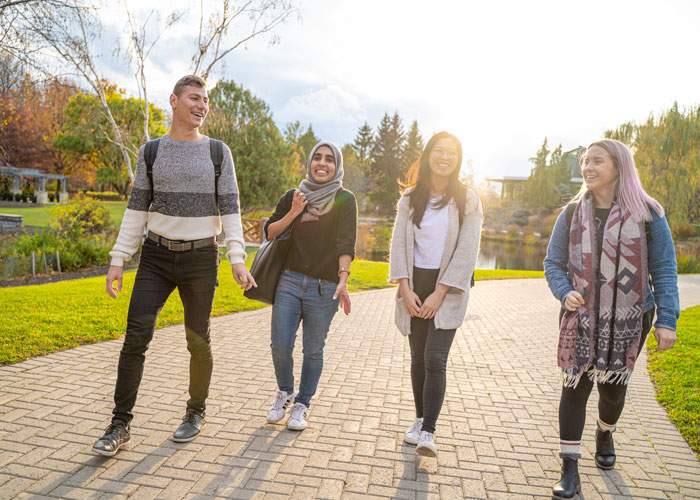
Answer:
x=497 y=435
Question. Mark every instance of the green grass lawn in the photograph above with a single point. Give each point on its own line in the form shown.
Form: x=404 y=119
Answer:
x=676 y=376
x=39 y=216
x=40 y=319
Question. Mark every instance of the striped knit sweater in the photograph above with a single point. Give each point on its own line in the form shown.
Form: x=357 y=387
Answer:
x=182 y=204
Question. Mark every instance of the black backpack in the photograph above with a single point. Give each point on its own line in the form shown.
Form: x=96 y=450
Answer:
x=570 y=215
x=217 y=157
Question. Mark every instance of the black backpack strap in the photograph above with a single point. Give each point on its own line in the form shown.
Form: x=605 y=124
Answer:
x=149 y=157
x=216 y=149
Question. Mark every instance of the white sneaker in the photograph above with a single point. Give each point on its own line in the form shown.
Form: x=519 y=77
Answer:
x=426 y=445
x=297 y=417
x=282 y=400
x=413 y=433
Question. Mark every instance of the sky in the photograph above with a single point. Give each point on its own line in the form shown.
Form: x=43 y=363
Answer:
x=501 y=75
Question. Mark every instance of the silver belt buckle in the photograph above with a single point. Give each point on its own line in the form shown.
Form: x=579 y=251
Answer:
x=172 y=246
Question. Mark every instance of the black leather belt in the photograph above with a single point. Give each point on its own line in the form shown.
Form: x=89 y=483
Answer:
x=180 y=246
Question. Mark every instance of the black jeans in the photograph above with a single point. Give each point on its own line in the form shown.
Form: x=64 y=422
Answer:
x=194 y=273
x=429 y=350
x=572 y=406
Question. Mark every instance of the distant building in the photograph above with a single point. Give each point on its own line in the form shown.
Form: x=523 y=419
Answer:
x=510 y=185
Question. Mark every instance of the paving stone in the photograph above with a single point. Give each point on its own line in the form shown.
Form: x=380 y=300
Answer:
x=497 y=435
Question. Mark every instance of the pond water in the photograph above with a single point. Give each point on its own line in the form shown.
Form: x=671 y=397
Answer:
x=373 y=244
x=499 y=255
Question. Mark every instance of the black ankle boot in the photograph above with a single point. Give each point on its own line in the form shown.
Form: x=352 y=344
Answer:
x=570 y=483
x=604 y=449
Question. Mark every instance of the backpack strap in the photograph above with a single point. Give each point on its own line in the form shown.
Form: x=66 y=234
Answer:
x=216 y=149
x=149 y=156
x=570 y=208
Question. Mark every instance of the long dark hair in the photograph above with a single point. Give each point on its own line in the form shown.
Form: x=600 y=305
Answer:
x=418 y=178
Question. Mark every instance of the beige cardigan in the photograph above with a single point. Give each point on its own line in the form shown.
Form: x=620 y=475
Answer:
x=456 y=267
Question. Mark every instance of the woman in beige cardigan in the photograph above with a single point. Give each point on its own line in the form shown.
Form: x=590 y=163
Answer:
x=433 y=254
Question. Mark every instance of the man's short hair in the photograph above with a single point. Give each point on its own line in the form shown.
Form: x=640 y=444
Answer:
x=188 y=80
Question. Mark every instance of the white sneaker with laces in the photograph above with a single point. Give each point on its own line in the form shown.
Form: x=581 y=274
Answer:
x=282 y=400
x=413 y=433
x=297 y=417
x=426 y=445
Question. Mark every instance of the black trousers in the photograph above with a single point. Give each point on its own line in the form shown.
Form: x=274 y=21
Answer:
x=611 y=402
x=429 y=350
x=194 y=273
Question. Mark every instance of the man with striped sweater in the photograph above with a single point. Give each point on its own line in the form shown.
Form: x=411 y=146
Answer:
x=183 y=200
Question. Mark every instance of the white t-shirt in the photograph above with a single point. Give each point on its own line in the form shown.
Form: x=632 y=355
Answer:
x=429 y=240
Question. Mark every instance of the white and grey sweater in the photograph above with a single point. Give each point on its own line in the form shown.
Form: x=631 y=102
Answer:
x=182 y=205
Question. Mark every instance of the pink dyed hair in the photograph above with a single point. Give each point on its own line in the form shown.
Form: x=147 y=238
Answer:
x=630 y=193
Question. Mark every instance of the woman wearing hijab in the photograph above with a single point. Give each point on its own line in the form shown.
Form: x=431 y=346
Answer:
x=608 y=249
x=314 y=280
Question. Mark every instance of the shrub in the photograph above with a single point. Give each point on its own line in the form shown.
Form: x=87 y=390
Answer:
x=546 y=231
x=519 y=217
x=512 y=232
x=683 y=231
x=18 y=196
x=258 y=214
x=51 y=197
x=83 y=216
x=79 y=231
x=688 y=263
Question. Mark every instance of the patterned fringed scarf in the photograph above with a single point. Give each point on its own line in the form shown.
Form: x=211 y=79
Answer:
x=601 y=338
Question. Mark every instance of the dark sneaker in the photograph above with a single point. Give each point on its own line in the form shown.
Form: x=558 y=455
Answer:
x=190 y=427
x=116 y=435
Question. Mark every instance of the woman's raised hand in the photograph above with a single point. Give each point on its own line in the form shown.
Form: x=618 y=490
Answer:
x=573 y=301
x=298 y=203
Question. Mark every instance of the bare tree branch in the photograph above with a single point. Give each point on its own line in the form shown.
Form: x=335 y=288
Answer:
x=139 y=51
x=68 y=32
x=212 y=41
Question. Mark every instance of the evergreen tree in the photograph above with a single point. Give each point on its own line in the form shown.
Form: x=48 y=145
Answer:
x=307 y=141
x=265 y=162
x=363 y=141
x=387 y=166
x=549 y=179
x=414 y=144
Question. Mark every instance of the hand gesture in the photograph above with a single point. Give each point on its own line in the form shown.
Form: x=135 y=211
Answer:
x=573 y=301
x=665 y=337
x=430 y=306
x=411 y=302
x=342 y=292
x=243 y=276
x=298 y=203
x=114 y=274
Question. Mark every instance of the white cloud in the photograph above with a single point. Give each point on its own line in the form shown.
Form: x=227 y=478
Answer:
x=500 y=75
x=331 y=105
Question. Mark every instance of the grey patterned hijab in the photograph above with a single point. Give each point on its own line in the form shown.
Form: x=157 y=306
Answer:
x=320 y=197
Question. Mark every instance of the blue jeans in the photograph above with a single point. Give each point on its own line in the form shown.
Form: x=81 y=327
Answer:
x=301 y=297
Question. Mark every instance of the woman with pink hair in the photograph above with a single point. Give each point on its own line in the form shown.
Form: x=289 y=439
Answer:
x=612 y=265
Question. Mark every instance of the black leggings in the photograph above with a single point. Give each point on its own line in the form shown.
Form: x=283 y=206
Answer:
x=429 y=350
x=572 y=406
